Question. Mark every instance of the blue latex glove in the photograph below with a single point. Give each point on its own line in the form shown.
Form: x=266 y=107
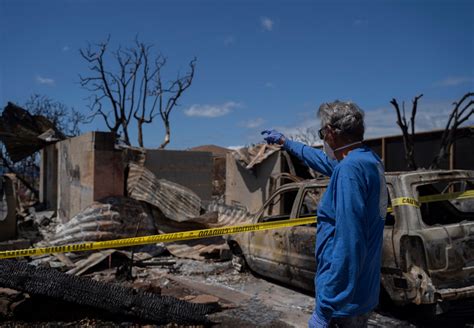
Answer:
x=317 y=322
x=273 y=136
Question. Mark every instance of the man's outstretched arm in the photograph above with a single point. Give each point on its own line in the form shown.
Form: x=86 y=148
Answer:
x=312 y=157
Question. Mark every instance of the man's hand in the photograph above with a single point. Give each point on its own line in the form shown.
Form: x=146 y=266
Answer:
x=273 y=137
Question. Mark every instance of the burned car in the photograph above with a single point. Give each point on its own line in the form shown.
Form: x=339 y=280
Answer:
x=428 y=250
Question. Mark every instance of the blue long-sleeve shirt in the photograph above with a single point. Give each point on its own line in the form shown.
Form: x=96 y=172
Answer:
x=349 y=231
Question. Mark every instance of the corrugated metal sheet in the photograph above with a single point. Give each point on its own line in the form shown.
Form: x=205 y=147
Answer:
x=113 y=218
x=177 y=203
x=227 y=215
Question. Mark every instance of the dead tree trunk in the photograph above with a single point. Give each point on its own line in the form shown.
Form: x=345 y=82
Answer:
x=167 y=135
x=461 y=112
x=408 y=137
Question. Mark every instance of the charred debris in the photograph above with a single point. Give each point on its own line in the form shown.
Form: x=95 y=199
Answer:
x=91 y=188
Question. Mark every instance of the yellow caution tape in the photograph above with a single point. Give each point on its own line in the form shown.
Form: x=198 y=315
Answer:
x=164 y=238
x=448 y=196
x=408 y=201
x=405 y=201
x=213 y=232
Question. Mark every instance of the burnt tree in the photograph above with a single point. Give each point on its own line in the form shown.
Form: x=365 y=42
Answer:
x=408 y=130
x=461 y=112
x=132 y=87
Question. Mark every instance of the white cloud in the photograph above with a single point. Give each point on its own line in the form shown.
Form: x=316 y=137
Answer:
x=454 y=81
x=211 y=111
x=269 y=85
x=267 y=23
x=66 y=48
x=430 y=116
x=44 y=80
x=229 y=40
x=382 y=121
x=253 y=124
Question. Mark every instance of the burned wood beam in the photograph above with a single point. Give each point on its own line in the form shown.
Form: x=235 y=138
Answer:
x=109 y=297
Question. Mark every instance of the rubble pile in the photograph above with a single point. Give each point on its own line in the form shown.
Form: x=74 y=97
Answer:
x=112 y=298
x=112 y=218
x=23 y=134
x=116 y=284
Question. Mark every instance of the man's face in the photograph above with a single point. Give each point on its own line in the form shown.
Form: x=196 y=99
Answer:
x=327 y=134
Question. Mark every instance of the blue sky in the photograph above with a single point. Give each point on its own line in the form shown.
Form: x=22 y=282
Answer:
x=261 y=64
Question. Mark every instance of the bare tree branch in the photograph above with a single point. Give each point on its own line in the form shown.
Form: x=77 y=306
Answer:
x=450 y=135
x=133 y=89
x=408 y=137
x=176 y=90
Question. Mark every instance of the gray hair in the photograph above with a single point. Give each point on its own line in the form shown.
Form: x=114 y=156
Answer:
x=346 y=118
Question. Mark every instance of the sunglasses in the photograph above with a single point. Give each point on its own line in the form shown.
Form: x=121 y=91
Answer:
x=322 y=132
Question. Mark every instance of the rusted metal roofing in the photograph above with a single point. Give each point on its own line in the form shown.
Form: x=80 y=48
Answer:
x=227 y=214
x=177 y=202
x=112 y=218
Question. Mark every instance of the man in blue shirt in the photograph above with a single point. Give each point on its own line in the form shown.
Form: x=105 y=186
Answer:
x=350 y=217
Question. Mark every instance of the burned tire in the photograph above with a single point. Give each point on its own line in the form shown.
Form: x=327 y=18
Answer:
x=239 y=264
x=238 y=259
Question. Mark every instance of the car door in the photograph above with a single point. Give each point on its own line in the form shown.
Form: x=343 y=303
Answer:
x=268 y=250
x=302 y=239
x=447 y=231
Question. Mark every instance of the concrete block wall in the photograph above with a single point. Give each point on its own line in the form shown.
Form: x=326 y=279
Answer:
x=89 y=169
x=192 y=169
x=250 y=188
x=80 y=170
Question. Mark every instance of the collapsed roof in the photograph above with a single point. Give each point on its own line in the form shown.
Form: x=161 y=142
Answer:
x=24 y=134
